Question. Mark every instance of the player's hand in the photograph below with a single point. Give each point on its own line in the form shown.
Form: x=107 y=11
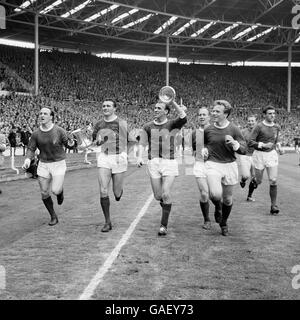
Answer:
x=268 y=145
x=229 y=139
x=183 y=107
x=281 y=151
x=204 y=153
x=26 y=164
x=139 y=162
x=233 y=143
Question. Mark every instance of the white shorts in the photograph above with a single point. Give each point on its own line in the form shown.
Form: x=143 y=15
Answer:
x=199 y=169
x=159 y=167
x=48 y=169
x=262 y=159
x=117 y=163
x=246 y=162
x=228 y=172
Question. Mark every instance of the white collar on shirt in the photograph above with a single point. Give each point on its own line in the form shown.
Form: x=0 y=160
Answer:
x=223 y=127
x=268 y=124
x=111 y=120
x=46 y=130
x=160 y=123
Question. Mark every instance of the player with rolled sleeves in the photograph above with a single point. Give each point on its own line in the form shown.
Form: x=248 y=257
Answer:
x=222 y=140
x=265 y=140
x=50 y=139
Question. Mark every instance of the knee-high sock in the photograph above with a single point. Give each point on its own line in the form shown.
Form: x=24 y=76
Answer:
x=105 y=204
x=205 y=210
x=166 y=209
x=49 y=205
x=218 y=205
x=251 y=189
x=60 y=197
x=273 y=194
x=225 y=214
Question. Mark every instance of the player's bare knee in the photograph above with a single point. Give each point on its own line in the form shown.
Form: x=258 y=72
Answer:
x=273 y=182
x=227 y=201
x=56 y=191
x=44 y=194
x=103 y=192
x=203 y=196
x=157 y=196
x=258 y=180
x=215 y=197
x=166 y=197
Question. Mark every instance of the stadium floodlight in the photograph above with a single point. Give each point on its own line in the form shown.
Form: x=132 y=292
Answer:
x=197 y=33
x=242 y=33
x=298 y=39
x=124 y=15
x=24 y=5
x=138 y=21
x=180 y=30
x=219 y=34
x=262 y=34
x=101 y=13
x=74 y=10
x=166 y=24
x=53 y=5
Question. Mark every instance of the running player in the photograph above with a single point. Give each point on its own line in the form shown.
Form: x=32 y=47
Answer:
x=199 y=168
x=265 y=140
x=50 y=139
x=111 y=134
x=221 y=140
x=162 y=167
x=246 y=161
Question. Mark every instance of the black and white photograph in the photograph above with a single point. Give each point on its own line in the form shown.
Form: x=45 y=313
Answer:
x=150 y=153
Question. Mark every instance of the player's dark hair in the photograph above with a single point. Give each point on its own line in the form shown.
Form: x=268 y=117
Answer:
x=227 y=106
x=268 y=107
x=113 y=101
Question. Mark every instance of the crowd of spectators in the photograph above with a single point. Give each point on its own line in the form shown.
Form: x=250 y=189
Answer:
x=76 y=84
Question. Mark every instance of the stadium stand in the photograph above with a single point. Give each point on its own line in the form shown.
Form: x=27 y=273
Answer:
x=74 y=84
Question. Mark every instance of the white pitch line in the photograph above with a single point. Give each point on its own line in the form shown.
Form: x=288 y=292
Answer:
x=89 y=290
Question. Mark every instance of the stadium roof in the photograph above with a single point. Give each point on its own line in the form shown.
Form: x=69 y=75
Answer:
x=205 y=30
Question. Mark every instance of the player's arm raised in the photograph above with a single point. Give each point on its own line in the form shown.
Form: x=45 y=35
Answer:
x=180 y=109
